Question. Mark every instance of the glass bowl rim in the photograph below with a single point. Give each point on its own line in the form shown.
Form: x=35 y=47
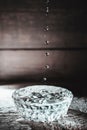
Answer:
x=43 y=104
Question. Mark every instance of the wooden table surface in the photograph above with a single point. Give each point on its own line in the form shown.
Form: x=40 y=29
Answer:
x=75 y=120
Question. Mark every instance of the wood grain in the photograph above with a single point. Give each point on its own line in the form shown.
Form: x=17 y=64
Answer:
x=74 y=121
x=22 y=24
x=32 y=65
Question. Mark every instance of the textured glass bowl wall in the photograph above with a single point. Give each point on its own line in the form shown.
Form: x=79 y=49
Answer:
x=42 y=102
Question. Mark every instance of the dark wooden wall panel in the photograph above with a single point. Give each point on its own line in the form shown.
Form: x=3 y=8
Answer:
x=24 y=25
x=44 y=41
x=32 y=65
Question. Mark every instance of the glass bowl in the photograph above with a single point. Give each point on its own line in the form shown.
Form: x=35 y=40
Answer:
x=42 y=103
